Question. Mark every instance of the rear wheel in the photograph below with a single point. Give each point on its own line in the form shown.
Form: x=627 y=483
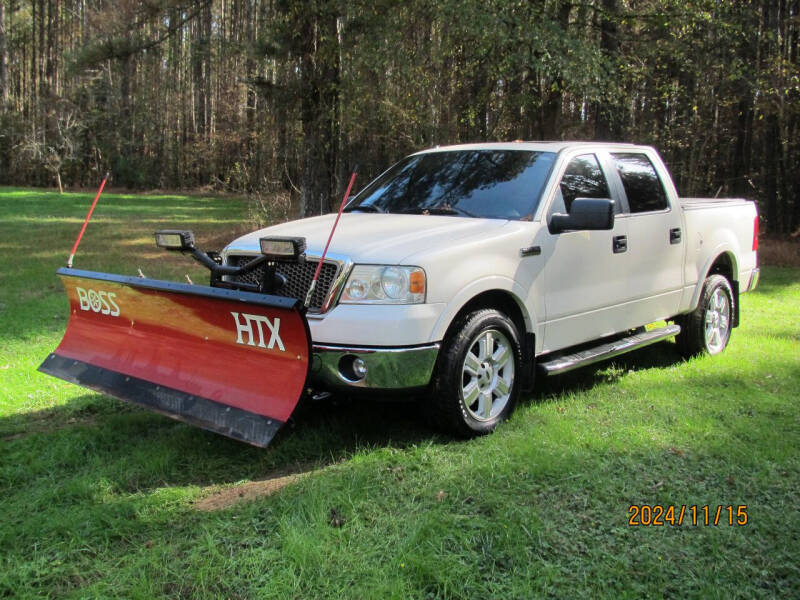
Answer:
x=479 y=374
x=707 y=329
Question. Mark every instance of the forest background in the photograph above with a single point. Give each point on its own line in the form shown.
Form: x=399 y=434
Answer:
x=281 y=99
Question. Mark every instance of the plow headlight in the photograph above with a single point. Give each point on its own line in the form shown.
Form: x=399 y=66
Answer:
x=174 y=239
x=285 y=248
x=379 y=284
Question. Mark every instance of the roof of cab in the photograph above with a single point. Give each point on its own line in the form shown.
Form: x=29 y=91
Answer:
x=532 y=146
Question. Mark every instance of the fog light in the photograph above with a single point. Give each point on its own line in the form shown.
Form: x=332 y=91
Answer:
x=359 y=368
x=352 y=368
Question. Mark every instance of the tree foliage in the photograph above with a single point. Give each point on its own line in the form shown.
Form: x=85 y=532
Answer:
x=285 y=97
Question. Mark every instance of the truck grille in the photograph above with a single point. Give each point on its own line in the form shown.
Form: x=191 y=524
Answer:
x=298 y=278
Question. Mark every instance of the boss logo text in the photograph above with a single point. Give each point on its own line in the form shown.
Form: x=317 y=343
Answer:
x=244 y=327
x=100 y=302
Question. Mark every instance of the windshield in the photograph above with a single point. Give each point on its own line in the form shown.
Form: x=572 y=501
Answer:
x=493 y=184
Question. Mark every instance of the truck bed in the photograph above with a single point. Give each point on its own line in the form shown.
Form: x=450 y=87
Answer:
x=714 y=227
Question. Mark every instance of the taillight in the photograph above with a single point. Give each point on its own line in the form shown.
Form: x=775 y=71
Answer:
x=755 y=234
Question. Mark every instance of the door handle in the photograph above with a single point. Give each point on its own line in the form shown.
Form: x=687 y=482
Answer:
x=620 y=243
x=675 y=235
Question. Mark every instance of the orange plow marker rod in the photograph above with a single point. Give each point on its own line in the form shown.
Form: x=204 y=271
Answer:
x=86 y=222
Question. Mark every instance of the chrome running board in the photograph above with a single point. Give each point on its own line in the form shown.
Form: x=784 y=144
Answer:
x=568 y=362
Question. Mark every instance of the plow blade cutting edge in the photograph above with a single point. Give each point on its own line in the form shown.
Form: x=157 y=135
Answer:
x=229 y=361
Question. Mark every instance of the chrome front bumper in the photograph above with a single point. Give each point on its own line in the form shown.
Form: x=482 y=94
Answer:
x=386 y=368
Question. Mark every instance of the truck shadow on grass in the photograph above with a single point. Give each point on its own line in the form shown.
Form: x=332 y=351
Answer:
x=657 y=356
x=134 y=450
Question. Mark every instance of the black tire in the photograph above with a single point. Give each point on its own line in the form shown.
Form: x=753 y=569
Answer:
x=716 y=306
x=497 y=386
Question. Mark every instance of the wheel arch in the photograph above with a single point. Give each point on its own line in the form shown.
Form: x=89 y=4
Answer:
x=724 y=263
x=506 y=301
x=502 y=300
x=479 y=294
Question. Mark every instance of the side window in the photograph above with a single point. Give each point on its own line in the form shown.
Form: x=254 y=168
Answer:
x=640 y=180
x=583 y=179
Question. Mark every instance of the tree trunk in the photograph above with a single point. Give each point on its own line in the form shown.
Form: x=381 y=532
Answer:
x=771 y=158
x=552 y=105
x=608 y=126
x=42 y=57
x=319 y=92
x=740 y=168
x=310 y=201
x=3 y=60
x=33 y=84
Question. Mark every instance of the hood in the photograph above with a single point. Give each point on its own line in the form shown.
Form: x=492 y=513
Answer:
x=374 y=238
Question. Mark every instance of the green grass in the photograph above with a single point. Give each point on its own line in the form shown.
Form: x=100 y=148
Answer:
x=96 y=496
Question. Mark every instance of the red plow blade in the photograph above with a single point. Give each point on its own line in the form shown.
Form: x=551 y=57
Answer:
x=229 y=361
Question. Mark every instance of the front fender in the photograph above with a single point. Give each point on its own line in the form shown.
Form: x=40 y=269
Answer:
x=475 y=288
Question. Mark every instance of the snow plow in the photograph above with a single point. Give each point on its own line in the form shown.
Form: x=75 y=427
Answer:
x=224 y=358
x=232 y=357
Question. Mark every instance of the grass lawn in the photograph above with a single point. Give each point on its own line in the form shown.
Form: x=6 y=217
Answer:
x=100 y=499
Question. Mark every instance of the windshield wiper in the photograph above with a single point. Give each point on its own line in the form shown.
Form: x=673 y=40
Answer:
x=366 y=208
x=436 y=210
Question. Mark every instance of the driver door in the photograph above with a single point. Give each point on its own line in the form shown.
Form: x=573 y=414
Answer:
x=585 y=271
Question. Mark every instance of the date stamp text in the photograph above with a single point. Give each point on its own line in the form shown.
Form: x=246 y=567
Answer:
x=658 y=515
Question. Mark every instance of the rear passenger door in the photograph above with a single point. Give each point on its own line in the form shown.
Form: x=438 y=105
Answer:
x=655 y=238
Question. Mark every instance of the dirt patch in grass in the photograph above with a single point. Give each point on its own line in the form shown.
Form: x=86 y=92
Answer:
x=779 y=251
x=220 y=499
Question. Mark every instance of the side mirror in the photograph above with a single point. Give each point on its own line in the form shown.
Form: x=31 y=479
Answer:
x=585 y=214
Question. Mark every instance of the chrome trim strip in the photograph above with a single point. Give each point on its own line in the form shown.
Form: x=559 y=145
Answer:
x=370 y=349
x=337 y=287
x=389 y=368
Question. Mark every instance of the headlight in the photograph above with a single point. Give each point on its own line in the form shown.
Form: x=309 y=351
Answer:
x=379 y=284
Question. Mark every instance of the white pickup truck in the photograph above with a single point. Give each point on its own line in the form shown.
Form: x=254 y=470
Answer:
x=461 y=267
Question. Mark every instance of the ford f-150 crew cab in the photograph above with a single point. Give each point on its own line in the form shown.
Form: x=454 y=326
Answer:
x=461 y=266
x=462 y=270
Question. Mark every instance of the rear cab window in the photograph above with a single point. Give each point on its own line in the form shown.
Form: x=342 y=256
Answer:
x=642 y=185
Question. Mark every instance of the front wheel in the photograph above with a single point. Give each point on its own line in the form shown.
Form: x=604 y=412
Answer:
x=707 y=329
x=479 y=374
